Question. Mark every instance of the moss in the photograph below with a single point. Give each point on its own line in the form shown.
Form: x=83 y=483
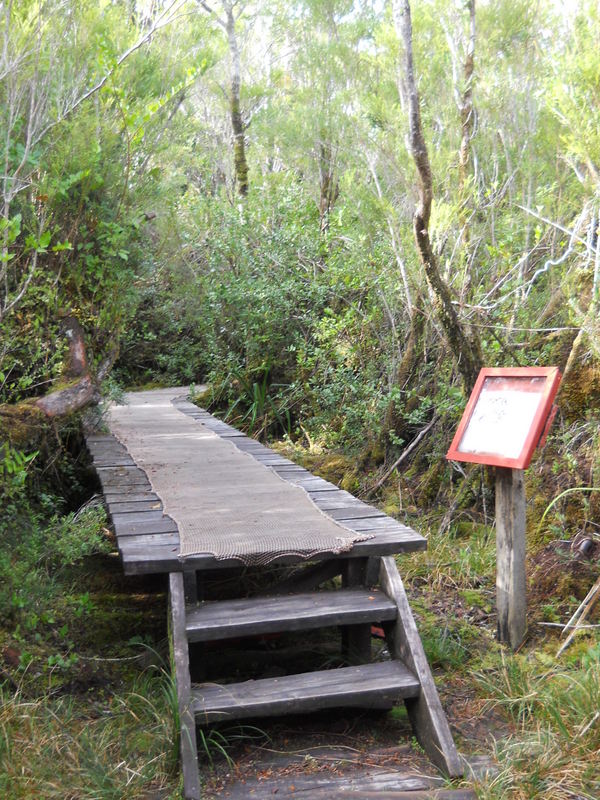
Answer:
x=580 y=392
x=203 y=399
x=22 y=424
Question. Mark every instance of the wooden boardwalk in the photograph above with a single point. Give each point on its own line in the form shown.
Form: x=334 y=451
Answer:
x=371 y=591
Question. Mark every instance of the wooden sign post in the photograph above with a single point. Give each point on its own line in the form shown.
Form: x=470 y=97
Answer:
x=507 y=416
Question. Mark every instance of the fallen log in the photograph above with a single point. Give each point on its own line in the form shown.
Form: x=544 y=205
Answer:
x=22 y=423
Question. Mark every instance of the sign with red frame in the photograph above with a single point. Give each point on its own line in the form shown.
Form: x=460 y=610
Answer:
x=507 y=415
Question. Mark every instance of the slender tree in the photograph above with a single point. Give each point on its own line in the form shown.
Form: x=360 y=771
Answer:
x=232 y=10
x=464 y=348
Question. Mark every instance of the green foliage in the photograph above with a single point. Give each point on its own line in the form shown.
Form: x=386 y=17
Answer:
x=36 y=555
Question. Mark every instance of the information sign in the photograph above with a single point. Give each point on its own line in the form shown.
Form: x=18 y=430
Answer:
x=506 y=416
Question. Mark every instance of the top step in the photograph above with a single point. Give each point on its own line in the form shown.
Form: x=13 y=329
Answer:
x=252 y=616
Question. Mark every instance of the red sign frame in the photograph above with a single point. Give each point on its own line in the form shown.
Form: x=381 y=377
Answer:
x=536 y=429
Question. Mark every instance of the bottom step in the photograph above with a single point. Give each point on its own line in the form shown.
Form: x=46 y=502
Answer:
x=367 y=686
x=361 y=785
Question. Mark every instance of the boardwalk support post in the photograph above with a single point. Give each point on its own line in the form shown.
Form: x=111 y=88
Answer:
x=187 y=725
x=425 y=711
x=356 y=639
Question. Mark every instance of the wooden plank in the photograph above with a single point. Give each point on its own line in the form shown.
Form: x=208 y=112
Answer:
x=291 y=471
x=105 y=446
x=367 y=686
x=111 y=477
x=134 y=506
x=164 y=525
x=314 y=484
x=228 y=619
x=117 y=461
x=166 y=560
x=273 y=461
x=358 y=511
x=254 y=447
x=180 y=656
x=511 y=582
x=148 y=541
x=95 y=438
x=120 y=473
x=140 y=515
x=360 y=785
x=132 y=494
x=375 y=524
x=425 y=711
x=341 y=499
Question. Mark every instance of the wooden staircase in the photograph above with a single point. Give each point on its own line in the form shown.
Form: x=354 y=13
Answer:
x=354 y=607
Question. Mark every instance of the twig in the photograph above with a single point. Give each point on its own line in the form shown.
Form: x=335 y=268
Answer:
x=560 y=625
x=582 y=612
x=583 y=731
x=404 y=454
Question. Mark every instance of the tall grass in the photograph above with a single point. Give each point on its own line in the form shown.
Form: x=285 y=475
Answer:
x=77 y=749
x=555 y=752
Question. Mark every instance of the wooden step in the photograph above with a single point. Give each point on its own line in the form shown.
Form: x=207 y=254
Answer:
x=356 y=785
x=258 y=615
x=366 y=686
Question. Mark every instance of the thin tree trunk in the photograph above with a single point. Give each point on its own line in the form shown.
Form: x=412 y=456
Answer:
x=466 y=107
x=465 y=350
x=329 y=186
x=240 y=164
x=237 y=123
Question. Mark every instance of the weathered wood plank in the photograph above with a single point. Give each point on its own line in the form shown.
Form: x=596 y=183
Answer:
x=259 y=615
x=314 y=484
x=375 y=524
x=341 y=499
x=117 y=461
x=273 y=461
x=122 y=477
x=140 y=515
x=180 y=656
x=368 y=686
x=147 y=541
x=163 y=525
x=134 y=507
x=358 y=511
x=361 y=785
x=166 y=560
x=131 y=494
x=425 y=711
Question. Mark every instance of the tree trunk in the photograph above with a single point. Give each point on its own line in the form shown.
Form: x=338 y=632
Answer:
x=237 y=123
x=329 y=186
x=465 y=105
x=393 y=420
x=466 y=351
